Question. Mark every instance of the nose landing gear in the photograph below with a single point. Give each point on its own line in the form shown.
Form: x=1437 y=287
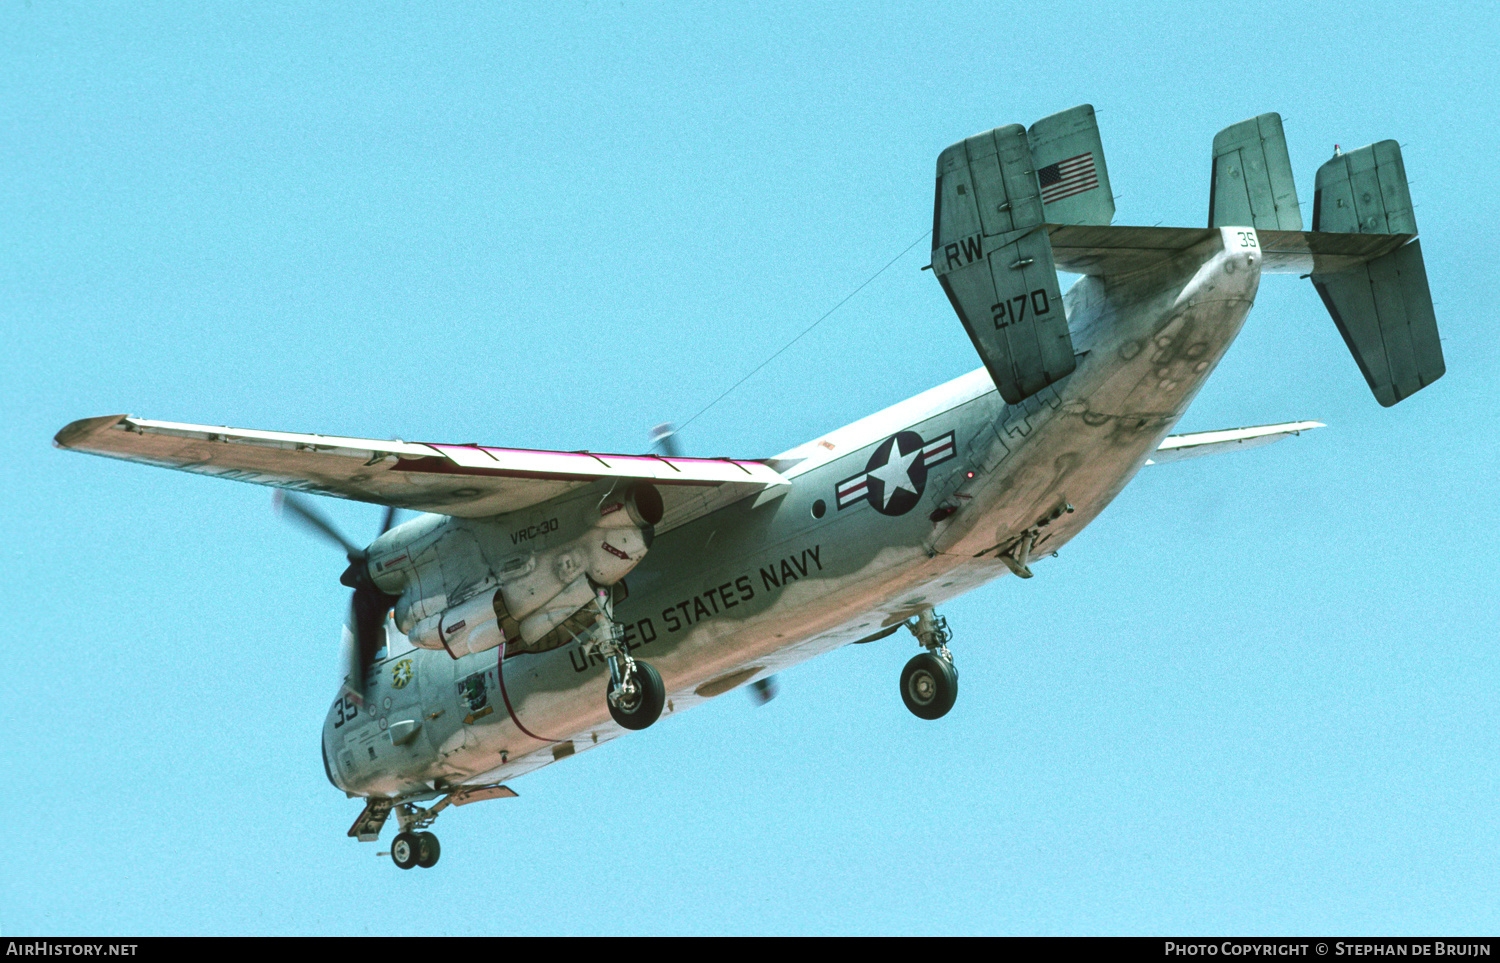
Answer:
x=419 y=848
x=929 y=683
x=428 y=850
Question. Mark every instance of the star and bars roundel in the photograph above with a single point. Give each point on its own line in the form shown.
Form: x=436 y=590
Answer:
x=896 y=473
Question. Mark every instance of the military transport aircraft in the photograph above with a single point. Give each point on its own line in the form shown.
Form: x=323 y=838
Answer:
x=552 y=600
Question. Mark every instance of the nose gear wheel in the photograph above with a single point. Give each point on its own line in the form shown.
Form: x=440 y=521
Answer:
x=404 y=850
x=428 y=850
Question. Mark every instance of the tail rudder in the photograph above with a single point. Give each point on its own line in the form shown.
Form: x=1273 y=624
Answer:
x=1381 y=305
x=997 y=192
x=1013 y=205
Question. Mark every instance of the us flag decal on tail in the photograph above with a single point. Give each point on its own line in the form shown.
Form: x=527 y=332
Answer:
x=1067 y=177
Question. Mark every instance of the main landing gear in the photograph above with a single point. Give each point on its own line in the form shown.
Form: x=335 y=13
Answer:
x=636 y=695
x=929 y=683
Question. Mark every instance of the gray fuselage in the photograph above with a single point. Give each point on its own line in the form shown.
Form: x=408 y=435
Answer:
x=884 y=518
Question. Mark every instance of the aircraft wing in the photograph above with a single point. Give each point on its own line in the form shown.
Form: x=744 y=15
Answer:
x=470 y=481
x=1180 y=447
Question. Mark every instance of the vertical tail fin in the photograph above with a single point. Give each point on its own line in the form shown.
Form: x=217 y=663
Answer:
x=1070 y=170
x=992 y=255
x=1364 y=192
x=1383 y=308
x=1252 y=178
x=991 y=252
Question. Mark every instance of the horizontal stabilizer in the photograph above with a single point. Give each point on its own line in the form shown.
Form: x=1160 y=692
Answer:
x=1182 y=447
x=1252 y=178
x=1383 y=308
x=993 y=258
x=1120 y=250
x=1069 y=159
x=470 y=481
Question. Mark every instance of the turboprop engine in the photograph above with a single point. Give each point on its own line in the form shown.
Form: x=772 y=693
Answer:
x=527 y=578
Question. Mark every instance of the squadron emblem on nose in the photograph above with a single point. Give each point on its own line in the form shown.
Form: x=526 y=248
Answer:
x=896 y=473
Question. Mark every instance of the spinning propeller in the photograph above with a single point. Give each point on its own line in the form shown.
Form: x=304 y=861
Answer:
x=664 y=440
x=369 y=605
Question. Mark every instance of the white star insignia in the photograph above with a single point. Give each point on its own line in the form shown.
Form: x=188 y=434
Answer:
x=896 y=472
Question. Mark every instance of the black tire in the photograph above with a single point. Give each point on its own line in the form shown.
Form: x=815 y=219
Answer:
x=929 y=686
x=404 y=850
x=647 y=706
x=428 y=850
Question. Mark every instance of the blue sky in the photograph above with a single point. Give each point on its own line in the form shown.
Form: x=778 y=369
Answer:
x=1256 y=696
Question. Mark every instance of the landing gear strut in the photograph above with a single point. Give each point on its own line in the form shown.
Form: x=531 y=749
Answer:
x=929 y=683
x=636 y=694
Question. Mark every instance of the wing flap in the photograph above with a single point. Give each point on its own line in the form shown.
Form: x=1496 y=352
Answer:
x=470 y=481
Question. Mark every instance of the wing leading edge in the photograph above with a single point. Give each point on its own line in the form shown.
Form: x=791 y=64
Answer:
x=470 y=481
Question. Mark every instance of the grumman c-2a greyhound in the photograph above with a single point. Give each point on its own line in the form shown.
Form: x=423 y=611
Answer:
x=551 y=600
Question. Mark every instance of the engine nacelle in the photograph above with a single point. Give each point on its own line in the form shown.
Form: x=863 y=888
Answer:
x=533 y=600
x=468 y=627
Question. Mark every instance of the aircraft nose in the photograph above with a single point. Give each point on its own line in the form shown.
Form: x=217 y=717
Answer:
x=327 y=769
